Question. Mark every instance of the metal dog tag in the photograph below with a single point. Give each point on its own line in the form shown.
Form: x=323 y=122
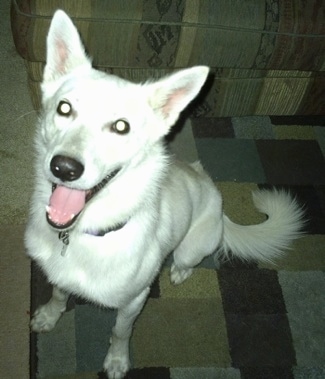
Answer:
x=64 y=237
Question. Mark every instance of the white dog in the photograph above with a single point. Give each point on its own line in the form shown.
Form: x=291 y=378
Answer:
x=110 y=204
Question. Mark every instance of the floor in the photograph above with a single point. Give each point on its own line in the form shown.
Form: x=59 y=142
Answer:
x=17 y=119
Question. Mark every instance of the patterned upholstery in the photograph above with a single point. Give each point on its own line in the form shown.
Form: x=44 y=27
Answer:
x=267 y=57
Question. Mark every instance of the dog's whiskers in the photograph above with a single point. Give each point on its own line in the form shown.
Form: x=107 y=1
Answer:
x=24 y=115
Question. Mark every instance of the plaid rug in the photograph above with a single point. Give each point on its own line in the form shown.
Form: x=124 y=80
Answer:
x=235 y=321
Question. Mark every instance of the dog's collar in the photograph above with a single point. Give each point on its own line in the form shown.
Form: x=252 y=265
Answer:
x=103 y=232
x=64 y=236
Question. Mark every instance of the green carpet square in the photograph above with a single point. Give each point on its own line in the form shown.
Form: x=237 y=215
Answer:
x=306 y=254
x=303 y=293
x=181 y=333
x=60 y=345
x=302 y=132
x=320 y=136
x=206 y=373
x=80 y=375
x=93 y=330
x=238 y=203
x=231 y=159
x=309 y=372
x=203 y=284
x=258 y=127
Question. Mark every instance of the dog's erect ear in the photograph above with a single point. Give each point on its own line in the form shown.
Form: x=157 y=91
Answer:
x=170 y=95
x=65 y=50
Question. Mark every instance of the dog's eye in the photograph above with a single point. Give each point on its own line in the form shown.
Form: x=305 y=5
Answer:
x=64 y=108
x=121 y=127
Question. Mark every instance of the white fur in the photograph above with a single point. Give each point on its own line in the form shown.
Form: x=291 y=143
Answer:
x=167 y=205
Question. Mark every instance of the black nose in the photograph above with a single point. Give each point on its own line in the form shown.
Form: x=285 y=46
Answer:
x=65 y=168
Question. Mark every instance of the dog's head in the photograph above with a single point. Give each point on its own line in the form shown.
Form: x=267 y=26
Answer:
x=93 y=124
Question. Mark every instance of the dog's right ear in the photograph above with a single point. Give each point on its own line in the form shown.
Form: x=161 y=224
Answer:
x=65 y=50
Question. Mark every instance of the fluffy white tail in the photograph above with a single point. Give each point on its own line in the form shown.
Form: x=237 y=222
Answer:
x=268 y=240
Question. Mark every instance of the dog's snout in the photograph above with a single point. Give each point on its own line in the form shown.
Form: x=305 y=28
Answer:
x=65 y=168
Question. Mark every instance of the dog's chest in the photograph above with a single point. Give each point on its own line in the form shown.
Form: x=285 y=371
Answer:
x=97 y=268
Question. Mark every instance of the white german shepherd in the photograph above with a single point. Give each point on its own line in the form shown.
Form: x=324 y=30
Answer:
x=110 y=204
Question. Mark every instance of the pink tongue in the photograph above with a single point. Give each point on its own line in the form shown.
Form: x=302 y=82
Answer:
x=65 y=203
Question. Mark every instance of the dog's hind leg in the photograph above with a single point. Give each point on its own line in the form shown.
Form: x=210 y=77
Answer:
x=117 y=361
x=47 y=315
x=201 y=240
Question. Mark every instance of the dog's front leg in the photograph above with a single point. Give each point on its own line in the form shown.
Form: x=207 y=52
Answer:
x=117 y=361
x=47 y=315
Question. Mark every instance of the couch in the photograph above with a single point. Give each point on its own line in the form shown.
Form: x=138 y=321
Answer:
x=267 y=57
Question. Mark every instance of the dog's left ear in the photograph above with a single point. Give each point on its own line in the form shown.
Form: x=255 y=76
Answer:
x=169 y=96
x=65 y=50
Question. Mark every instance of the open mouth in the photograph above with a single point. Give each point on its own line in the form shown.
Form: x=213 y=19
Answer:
x=66 y=204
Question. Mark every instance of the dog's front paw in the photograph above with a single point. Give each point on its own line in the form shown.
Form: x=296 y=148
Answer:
x=178 y=275
x=44 y=319
x=116 y=367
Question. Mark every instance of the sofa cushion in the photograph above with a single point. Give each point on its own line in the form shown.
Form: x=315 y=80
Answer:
x=267 y=57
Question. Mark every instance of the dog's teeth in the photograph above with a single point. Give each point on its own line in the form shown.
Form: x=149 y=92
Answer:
x=72 y=216
x=48 y=208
